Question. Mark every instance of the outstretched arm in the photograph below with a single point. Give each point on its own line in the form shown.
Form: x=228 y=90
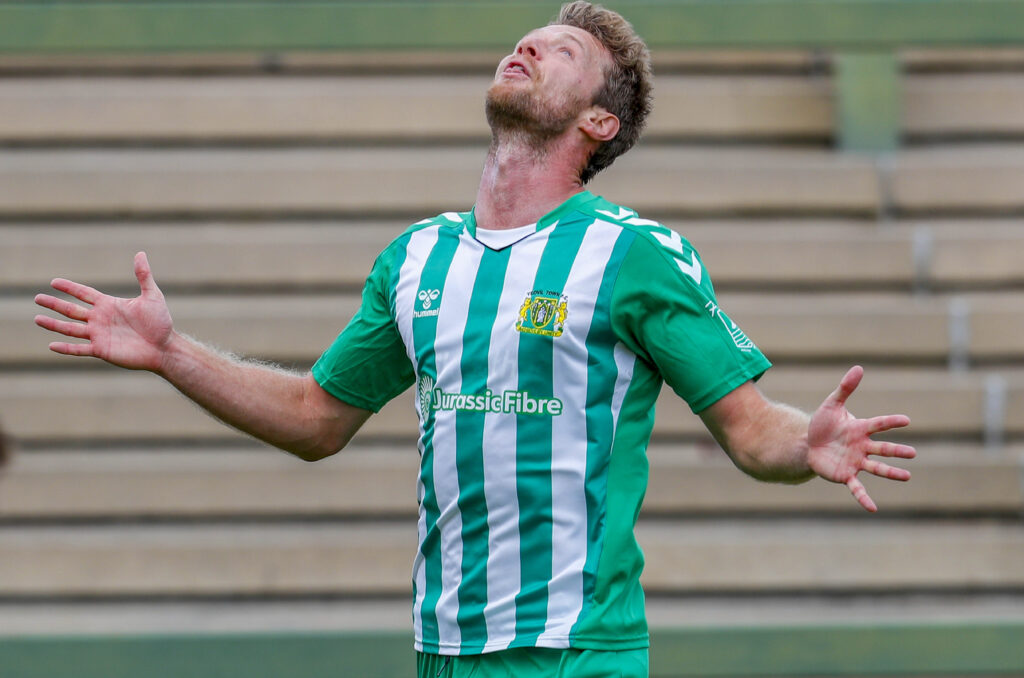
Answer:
x=290 y=411
x=775 y=442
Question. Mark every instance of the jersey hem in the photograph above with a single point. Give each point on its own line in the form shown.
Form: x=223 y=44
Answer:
x=342 y=394
x=729 y=384
x=557 y=643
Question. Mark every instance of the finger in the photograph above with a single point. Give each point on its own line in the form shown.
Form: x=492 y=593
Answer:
x=71 y=349
x=65 y=327
x=860 y=493
x=62 y=306
x=886 y=423
x=77 y=290
x=885 y=449
x=144 y=274
x=884 y=470
x=847 y=384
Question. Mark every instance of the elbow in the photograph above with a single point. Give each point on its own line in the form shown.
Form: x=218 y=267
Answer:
x=316 y=450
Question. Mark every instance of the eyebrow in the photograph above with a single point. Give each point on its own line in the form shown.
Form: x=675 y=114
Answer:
x=574 y=39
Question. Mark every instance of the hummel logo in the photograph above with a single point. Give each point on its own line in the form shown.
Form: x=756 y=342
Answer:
x=426 y=302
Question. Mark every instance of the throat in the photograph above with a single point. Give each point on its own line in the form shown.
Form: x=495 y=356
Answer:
x=519 y=186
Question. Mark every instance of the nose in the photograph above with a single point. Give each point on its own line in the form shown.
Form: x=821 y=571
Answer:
x=528 y=47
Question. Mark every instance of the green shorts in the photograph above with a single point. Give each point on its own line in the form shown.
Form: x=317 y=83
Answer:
x=538 y=662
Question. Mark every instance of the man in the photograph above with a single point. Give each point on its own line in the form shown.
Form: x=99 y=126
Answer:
x=538 y=328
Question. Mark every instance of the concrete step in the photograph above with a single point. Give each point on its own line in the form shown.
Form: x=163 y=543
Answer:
x=374 y=558
x=110 y=405
x=209 y=484
x=222 y=255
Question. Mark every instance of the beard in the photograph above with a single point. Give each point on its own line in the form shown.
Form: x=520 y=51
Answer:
x=516 y=112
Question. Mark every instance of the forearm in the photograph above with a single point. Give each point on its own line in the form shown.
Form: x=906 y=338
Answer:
x=765 y=439
x=268 y=403
x=775 y=446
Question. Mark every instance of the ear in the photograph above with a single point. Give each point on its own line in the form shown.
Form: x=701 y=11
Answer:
x=599 y=124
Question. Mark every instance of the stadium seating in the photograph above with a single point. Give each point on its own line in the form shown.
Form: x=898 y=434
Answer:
x=262 y=192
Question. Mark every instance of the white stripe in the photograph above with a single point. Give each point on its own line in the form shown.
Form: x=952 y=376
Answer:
x=451 y=324
x=569 y=436
x=625 y=361
x=416 y=252
x=417 y=249
x=499 y=444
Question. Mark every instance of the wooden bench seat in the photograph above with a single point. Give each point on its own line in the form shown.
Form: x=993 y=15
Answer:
x=413 y=180
x=374 y=482
x=225 y=255
x=375 y=558
x=398 y=108
x=795 y=328
x=656 y=180
x=109 y=405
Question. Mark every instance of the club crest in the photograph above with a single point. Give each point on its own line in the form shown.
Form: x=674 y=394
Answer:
x=543 y=313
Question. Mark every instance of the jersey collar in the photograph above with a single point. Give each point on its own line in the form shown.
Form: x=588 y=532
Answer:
x=549 y=219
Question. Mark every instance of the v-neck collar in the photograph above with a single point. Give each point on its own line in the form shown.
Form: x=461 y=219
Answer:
x=549 y=219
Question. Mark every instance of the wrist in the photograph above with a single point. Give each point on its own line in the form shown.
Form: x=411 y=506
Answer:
x=174 y=352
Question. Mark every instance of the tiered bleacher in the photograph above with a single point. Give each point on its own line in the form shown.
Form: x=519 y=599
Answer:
x=262 y=190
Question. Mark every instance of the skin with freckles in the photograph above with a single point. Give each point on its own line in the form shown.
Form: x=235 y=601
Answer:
x=544 y=129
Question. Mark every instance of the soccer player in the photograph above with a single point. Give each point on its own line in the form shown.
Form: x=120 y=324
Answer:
x=538 y=328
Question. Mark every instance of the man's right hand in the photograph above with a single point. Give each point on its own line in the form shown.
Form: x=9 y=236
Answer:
x=131 y=333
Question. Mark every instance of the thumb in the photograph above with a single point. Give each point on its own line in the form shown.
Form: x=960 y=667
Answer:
x=847 y=385
x=145 y=275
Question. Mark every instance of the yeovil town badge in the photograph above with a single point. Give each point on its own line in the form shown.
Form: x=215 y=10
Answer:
x=543 y=313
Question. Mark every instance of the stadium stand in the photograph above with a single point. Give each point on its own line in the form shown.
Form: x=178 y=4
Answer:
x=262 y=186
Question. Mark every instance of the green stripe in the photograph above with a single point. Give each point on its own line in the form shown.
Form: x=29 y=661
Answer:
x=533 y=445
x=469 y=426
x=601 y=376
x=435 y=270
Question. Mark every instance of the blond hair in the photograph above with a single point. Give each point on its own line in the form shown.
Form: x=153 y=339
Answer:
x=626 y=92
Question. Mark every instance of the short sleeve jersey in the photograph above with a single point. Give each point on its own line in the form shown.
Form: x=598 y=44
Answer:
x=537 y=366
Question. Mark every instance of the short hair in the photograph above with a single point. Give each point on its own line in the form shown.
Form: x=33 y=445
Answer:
x=626 y=92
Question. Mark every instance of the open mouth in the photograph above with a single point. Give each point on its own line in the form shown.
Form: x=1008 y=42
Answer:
x=517 y=67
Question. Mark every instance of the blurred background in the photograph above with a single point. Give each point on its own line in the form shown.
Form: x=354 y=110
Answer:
x=852 y=172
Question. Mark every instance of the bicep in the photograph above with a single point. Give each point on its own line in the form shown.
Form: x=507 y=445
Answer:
x=337 y=420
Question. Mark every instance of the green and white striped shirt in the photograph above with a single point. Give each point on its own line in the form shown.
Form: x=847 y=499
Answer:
x=537 y=367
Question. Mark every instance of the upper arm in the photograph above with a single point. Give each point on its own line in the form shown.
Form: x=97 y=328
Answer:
x=665 y=311
x=337 y=420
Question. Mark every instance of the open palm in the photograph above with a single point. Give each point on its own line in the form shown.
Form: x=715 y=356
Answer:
x=125 y=332
x=839 y=444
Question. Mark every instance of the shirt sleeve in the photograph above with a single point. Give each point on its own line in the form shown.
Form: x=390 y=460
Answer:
x=664 y=309
x=367 y=364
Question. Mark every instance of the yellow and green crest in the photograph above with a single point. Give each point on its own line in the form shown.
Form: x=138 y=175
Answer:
x=543 y=313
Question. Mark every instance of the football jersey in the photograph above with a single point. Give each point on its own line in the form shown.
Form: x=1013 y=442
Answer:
x=536 y=368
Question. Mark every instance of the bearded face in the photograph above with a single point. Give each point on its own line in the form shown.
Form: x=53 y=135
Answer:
x=517 y=110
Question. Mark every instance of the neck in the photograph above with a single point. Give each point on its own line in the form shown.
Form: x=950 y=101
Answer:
x=522 y=182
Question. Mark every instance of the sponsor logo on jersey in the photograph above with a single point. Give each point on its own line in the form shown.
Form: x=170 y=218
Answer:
x=543 y=313
x=425 y=393
x=507 y=402
x=738 y=337
x=425 y=306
